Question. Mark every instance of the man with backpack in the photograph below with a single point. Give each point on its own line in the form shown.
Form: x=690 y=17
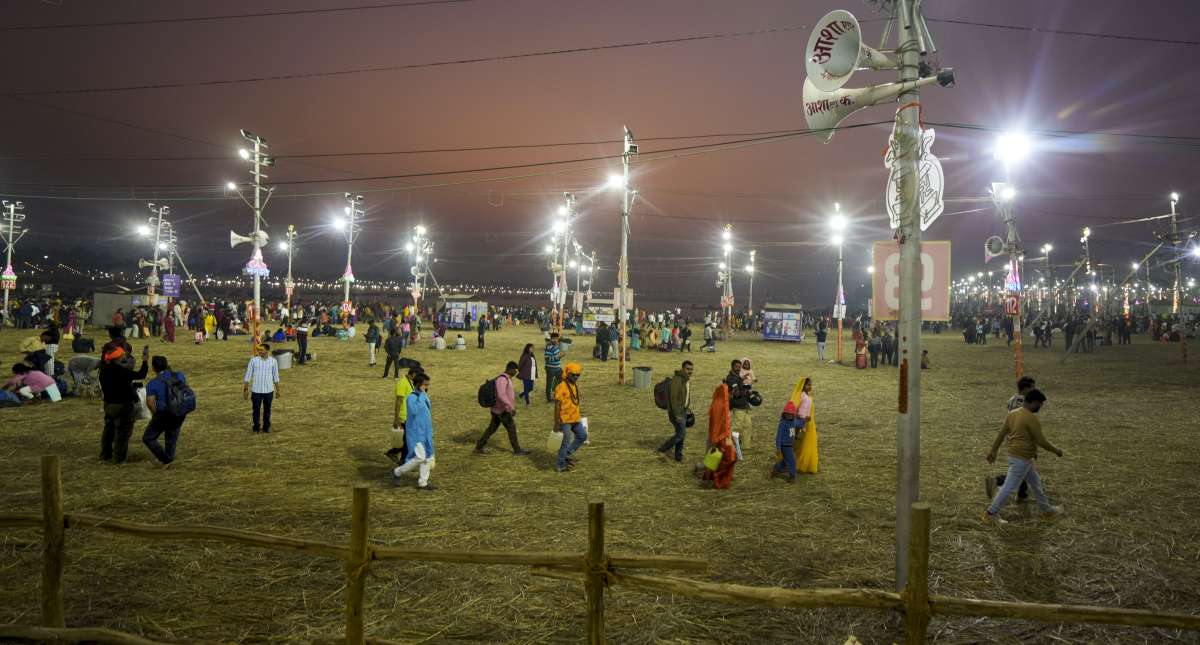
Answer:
x=678 y=401
x=500 y=398
x=170 y=399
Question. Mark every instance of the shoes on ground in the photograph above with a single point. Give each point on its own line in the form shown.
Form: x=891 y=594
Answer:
x=429 y=487
x=994 y=520
x=479 y=451
x=1053 y=512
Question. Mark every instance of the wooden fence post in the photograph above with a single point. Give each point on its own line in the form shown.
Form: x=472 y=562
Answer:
x=53 y=538
x=356 y=566
x=916 y=592
x=596 y=567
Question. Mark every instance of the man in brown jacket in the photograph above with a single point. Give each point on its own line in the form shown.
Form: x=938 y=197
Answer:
x=1023 y=433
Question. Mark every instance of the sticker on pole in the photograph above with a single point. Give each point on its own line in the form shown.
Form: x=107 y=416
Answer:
x=929 y=188
x=935 y=280
x=170 y=285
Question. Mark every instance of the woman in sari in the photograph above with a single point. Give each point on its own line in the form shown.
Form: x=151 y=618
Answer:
x=806 y=426
x=720 y=437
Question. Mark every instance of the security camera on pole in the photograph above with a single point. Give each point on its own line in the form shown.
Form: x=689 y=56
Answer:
x=835 y=51
x=256 y=267
x=11 y=231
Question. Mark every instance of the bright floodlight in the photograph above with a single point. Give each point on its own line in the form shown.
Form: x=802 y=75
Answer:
x=162 y=246
x=572 y=264
x=244 y=153
x=339 y=224
x=549 y=248
x=1046 y=248
x=1087 y=232
x=283 y=246
x=231 y=186
x=726 y=234
x=409 y=247
x=1196 y=251
x=1008 y=193
x=346 y=210
x=420 y=230
x=562 y=210
x=721 y=266
x=870 y=269
x=1135 y=266
x=1012 y=147
x=1174 y=197
x=749 y=268
x=418 y=257
x=728 y=247
x=616 y=181
x=837 y=240
x=143 y=230
x=838 y=224
x=560 y=226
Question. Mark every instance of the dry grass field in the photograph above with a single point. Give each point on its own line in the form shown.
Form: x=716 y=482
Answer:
x=1127 y=417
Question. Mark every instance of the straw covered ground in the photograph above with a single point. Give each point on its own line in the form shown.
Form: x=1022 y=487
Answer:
x=1126 y=416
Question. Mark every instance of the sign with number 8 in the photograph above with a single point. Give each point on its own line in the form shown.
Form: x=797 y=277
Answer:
x=935 y=280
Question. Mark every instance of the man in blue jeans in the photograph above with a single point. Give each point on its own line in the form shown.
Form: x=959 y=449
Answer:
x=261 y=385
x=162 y=422
x=568 y=419
x=1023 y=433
x=679 y=401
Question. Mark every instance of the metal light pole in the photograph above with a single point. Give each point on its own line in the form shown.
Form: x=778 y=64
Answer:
x=1046 y=249
x=1177 y=296
x=289 y=285
x=257 y=267
x=160 y=214
x=627 y=197
x=727 y=268
x=908 y=234
x=421 y=250
x=354 y=212
x=750 y=296
x=838 y=224
x=11 y=232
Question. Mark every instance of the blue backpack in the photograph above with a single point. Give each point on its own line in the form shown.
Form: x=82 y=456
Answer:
x=181 y=398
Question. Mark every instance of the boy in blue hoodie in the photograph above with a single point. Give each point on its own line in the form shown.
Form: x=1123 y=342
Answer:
x=785 y=442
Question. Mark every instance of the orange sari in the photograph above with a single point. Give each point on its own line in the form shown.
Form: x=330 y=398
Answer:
x=720 y=436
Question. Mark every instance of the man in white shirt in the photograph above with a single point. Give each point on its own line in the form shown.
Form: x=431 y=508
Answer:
x=261 y=385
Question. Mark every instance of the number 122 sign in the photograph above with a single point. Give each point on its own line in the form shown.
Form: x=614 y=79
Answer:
x=935 y=280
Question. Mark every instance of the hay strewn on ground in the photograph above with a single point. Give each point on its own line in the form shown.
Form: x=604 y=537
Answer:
x=1126 y=417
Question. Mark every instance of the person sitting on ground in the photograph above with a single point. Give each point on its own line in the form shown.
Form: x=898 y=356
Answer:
x=460 y=343
x=35 y=380
x=925 y=359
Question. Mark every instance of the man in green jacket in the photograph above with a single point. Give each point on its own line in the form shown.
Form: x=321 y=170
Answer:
x=680 y=400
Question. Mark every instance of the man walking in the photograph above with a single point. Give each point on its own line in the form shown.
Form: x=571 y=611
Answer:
x=302 y=340
x=503 y=412
x=261 y=386
x=392 y=346
x=1024 y=385
x=740 y=423
x=567 y=417
x=553 y=358
x=1023 y=433
x=163 y=421
x=679 y=403
x=116 y=381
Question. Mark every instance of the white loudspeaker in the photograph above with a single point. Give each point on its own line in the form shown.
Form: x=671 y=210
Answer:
x=825 y=110
x=260 y=240
x=835 y=51
x=146 y=264
x=993 y=247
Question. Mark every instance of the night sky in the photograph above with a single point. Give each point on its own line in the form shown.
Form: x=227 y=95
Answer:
x=111 y=151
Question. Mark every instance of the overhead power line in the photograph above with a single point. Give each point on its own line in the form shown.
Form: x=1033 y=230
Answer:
x=1064 y=32
x=236 y=16
x=410 y=66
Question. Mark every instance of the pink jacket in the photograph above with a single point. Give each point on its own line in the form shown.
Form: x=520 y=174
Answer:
x=505 y=397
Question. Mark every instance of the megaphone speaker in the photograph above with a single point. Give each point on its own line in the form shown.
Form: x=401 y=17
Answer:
x=235 y=239
x=826 y=110
x=993 y=247
x=144 y=264
x=835 y=51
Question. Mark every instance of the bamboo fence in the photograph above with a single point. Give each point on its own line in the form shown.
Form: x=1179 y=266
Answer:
x=595 y=569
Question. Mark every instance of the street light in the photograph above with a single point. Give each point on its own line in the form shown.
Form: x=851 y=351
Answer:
x=143 y=230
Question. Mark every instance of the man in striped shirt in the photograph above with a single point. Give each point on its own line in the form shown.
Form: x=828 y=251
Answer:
x=553 y=366
x=261 y=385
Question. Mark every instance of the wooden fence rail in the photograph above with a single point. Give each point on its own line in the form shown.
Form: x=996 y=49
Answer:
x=596 y=569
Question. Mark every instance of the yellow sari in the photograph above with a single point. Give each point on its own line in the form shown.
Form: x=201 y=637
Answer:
x=806 y=452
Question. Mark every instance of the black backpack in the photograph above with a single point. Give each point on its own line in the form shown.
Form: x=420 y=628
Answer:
x=181 y=398
x=487 y=393
x=662 y=394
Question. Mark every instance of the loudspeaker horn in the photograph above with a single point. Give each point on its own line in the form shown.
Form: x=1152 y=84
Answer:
x=993 y=247
x=259 y=241
x=835 y=51
x=146 y=264
x=825 y=110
